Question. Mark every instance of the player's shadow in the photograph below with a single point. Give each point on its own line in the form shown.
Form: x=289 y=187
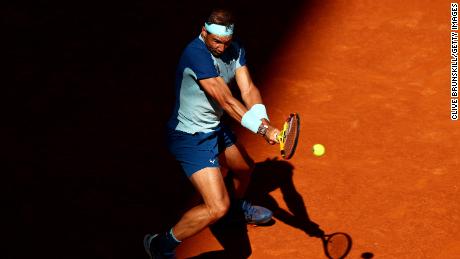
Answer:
x=268 y=176
x=275 y=174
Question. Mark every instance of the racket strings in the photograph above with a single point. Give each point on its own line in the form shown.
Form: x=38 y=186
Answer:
x=291 y=136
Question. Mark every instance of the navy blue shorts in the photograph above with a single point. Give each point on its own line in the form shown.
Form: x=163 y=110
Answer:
x=199 y=150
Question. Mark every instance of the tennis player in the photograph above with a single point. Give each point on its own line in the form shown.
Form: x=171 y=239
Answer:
x=198 y=139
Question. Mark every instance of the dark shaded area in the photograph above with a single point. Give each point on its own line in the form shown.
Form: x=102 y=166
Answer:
x=367 y=255
x=82 y=125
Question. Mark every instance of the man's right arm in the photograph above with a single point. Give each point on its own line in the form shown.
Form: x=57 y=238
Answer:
x=220 y=92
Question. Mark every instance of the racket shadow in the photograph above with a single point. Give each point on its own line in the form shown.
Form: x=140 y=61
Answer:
x=337 y=245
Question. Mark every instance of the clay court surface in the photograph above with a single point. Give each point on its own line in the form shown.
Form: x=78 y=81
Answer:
x=370 y=81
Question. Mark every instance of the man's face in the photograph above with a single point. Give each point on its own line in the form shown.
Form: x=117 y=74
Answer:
x=216 y=44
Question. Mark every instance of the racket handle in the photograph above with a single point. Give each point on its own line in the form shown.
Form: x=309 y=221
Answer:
x=279 y=136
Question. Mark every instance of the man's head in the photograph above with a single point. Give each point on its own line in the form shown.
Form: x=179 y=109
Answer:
x=217 y=31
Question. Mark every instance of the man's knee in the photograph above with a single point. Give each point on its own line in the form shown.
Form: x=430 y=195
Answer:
x=218 y=210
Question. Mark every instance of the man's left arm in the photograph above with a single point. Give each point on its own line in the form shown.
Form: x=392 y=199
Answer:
x=251 y=96
x=249 y=92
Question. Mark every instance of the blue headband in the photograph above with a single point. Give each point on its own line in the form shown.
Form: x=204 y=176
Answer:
x=219 y=30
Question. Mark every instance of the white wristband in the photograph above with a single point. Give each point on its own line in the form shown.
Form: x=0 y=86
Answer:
x=260 y=111
x=251 y=121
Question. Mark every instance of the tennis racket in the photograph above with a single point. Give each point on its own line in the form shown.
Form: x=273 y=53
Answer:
x=289 y=136
x=336 y=245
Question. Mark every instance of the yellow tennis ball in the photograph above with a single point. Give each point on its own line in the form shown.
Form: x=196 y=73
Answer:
x=318 y=150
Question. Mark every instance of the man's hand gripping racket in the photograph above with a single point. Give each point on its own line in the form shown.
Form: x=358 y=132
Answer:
x=289 y=135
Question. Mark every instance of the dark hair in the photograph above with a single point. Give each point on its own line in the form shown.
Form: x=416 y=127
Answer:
x=221 y=16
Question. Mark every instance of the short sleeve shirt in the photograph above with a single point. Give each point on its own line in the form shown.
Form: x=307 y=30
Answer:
x=194 y=110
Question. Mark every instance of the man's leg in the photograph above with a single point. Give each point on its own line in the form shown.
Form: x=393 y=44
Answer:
x=210 y=184
x=238 y=161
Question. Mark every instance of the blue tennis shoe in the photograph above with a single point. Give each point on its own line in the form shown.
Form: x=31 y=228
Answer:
x=255 y=214
x=154 y=249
